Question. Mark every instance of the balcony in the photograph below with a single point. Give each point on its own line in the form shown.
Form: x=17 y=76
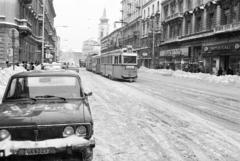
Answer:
x=138 y=6
x=172 y=39
x=158 y=29
x=173 y=16
x=157 y=13
x=27 y=1
x=40 y=17
x=227 y=28
x=24 y=26
x=144 y=35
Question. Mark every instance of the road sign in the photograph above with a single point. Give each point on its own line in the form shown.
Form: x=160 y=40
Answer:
x=10 y=52
x=13 y=33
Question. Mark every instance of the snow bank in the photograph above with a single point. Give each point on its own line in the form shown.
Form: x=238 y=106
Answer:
x=225 y=79
x=5 y=74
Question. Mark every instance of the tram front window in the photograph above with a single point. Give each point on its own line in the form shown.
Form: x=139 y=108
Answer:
x=130 y=59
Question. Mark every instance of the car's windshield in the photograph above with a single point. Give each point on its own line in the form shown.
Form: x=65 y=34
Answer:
x=44 y=87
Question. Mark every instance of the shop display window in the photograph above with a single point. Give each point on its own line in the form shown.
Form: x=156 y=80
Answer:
x=234 y=63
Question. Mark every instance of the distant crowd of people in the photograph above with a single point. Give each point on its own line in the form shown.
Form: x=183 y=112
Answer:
x=229 y=71
x=28 y=66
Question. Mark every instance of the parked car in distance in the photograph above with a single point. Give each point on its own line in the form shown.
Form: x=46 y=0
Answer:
x=53 y=66
x=73 y=68
x=46 y=114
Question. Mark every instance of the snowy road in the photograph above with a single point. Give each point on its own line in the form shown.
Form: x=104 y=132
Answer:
x=161 y=118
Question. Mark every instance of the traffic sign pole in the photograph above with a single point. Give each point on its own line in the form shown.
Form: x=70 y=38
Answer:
x=14 y=34
x=13 y=47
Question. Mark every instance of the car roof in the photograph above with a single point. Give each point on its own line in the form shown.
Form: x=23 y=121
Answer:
x=46 y=73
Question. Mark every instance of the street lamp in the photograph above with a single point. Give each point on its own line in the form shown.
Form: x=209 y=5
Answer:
x=153 y=39
x=122 y=22
x=43 y=30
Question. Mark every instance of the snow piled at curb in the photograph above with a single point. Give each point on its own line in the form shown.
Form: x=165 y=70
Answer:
x=225 y=79
x=5 y=74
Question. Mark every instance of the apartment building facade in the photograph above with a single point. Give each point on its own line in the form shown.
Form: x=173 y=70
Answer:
x=131 y=23
x=26 y=16
x=151 y=33
x=201 y=35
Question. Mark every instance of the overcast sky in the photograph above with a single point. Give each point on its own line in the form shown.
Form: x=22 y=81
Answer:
x=82 y=18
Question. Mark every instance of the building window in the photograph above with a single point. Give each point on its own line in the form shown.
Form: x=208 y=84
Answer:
x=189 y=4
x=199 y=2
x=198 y=24
x=180 y=6
x=171 y=31
x=173 y=7
x=144 y=14
x=188 y=27
x=235 y=14
x=166 y=11
x=211 y=21
x=165 y=31
x=153 y=9
x=226 y=16
x=158 y=5
x=148 y=12
x=179 y=29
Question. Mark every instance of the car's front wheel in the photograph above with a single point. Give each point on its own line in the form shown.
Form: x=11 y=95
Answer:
x=87 y=154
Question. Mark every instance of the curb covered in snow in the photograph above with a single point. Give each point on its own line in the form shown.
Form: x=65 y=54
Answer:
x=225 y=79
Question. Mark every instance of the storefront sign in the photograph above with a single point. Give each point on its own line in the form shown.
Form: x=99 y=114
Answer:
x=229 y=46
x=144 y=54
x=175 y=52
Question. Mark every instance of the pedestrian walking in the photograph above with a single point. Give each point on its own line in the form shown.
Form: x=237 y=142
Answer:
x=220 y=71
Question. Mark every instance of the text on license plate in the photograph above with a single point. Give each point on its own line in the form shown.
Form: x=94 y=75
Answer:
x=37 y=151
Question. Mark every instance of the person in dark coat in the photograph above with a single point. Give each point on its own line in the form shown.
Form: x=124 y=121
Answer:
x=229 y=71
x=220 y=72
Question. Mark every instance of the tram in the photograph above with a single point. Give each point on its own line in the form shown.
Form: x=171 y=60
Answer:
x=116 y=64
x=119 y=64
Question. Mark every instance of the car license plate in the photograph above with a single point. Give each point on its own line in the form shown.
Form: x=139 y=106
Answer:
x=37 y=151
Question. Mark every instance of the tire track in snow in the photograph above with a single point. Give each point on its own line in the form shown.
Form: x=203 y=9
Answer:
x=136 y=109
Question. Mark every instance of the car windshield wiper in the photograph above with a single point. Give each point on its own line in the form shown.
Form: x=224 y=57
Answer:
x=51 y=96
x=26 y=98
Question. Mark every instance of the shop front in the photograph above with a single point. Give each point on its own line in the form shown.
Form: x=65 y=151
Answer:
x=225 y=56
x=175 y=59
x=144 y=59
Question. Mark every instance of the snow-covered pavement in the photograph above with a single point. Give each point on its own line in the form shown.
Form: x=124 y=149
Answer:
x=5 y=74
x=164 y=118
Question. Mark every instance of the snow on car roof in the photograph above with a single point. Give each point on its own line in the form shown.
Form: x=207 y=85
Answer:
x=46 y=73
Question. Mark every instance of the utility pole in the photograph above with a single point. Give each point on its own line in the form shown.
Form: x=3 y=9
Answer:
x=153 y=44
x=122 y=28
x=43 y=30
x=14 y=34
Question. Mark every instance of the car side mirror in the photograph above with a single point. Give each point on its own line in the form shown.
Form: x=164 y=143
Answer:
x=88 y=94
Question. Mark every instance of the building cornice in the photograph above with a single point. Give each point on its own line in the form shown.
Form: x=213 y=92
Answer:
x=149 y=2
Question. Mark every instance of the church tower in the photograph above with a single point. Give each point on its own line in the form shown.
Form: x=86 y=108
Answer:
x=103 y=26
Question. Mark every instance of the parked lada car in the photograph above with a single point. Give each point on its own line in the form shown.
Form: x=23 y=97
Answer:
x=44 y=115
